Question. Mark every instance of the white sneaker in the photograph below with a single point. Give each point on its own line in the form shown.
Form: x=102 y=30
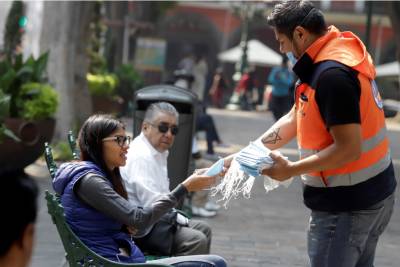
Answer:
x=212 y=206
x=202 y=212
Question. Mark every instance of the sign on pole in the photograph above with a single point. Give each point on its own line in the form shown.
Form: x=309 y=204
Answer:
x=150 y=54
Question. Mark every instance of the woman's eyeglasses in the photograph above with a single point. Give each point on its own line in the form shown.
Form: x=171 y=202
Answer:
x=121 y=140
x=163 y=128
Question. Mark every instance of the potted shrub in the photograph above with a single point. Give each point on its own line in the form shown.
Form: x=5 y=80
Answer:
x=27 y=105
x=102 y=89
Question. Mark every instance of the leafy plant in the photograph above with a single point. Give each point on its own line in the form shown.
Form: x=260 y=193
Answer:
x=37 y=101
x=13 y=74
x=21 y=91
x=4 y=110
x=4 y=105
x=102 y=84
x=18 y=97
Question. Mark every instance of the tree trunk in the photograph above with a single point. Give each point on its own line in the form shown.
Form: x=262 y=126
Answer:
x=65 y=32
x=116 y=11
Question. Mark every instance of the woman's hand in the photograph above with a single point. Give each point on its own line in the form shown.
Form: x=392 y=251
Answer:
x=227 y=162
x=197 y=181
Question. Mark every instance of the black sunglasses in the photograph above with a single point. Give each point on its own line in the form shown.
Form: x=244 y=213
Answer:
x=163 y=128
x=120 y=139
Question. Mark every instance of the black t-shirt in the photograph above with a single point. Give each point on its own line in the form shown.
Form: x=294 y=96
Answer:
x=338 y=96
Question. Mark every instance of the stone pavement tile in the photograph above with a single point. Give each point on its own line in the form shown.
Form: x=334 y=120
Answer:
x=251 y=226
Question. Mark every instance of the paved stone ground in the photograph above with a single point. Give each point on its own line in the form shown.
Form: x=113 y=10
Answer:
x=265 y=230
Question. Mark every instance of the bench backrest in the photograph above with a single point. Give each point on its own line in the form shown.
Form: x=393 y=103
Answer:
x=72 y=145
x=48 y=155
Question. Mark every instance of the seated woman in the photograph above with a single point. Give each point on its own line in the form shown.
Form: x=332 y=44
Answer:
x=95 y=200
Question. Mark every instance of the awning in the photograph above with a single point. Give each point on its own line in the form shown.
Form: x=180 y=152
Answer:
x=257 y=54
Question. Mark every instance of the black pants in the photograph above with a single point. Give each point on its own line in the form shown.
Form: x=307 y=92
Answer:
x=205 y=123
x=279 y=105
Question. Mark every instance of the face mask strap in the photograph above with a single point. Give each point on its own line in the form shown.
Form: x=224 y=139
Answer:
x=290 y=55
x=301 y=24
x=307 y=16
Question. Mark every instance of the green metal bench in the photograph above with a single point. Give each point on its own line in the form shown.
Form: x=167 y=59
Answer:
x=72 y=145
x=76 y=252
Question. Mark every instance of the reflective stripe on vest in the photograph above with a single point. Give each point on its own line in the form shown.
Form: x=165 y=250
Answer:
x=349 y=178
x=366 y=145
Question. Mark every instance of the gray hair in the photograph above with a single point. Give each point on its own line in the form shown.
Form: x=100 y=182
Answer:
x=160 y=107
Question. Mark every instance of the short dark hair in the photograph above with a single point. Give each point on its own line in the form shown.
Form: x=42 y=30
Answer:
x=287 y=15
x=18 y=200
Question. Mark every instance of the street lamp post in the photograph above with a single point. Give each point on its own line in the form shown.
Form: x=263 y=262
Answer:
x=241 y=65
x=246 y=12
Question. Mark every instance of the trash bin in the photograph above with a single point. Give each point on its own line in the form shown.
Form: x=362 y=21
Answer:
x=185 y=103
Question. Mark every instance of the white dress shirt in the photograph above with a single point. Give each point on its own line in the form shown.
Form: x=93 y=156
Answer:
x=145 y=174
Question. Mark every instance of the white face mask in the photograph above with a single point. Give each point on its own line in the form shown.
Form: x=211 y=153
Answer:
x=291 y=58
x=290 y=55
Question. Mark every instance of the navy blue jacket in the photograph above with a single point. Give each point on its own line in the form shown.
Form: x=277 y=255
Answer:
x=100 y=233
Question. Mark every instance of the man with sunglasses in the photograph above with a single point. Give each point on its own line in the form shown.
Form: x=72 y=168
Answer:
x=145 y=177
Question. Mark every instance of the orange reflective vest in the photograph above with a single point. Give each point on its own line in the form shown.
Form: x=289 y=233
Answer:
x=344 y=48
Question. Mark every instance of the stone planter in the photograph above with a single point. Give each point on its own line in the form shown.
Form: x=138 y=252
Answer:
x=15 y=156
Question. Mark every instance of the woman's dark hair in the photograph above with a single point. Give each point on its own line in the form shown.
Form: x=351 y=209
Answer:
x=287 y=15
x=93 y=131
